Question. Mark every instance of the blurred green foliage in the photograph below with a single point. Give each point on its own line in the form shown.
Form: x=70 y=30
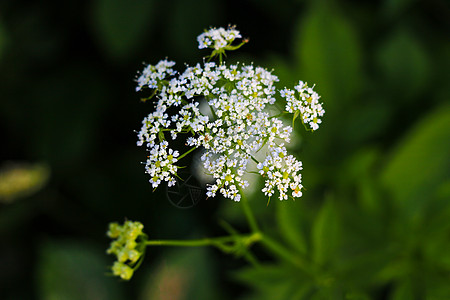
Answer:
x=373 y=221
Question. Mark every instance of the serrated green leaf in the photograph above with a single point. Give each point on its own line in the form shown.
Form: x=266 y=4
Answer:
x=325 y=233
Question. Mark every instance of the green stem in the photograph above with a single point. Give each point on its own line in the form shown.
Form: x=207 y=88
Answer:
x=218 y=241
x=212 y=112
x=252 y=259
x=254 y=159
x=191 y=243
x=248 y=213
x=186 y=153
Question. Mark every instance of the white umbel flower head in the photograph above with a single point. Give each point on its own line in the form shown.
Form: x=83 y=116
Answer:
x=235 y=128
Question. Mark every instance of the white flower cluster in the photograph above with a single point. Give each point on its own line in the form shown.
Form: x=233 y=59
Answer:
x=151 y=74
x=307 y=104
x=217 y=38
x=160 y=164
x=237 y=126
x=281 y=171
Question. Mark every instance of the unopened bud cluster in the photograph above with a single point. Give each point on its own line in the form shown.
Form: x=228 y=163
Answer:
x=126 y=246
x=236 y=126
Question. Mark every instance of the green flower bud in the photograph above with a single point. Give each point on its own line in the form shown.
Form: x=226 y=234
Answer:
x=133 y=255
x=130 y=244
x=124 y=247
x=122 y=270
x=114 y=230
x=122 y=255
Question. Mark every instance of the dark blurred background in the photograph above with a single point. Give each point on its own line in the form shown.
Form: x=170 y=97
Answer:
x=68 y=111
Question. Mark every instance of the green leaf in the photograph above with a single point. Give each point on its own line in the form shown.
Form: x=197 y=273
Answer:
x=325 y=233
x=403 y=291
x=404 y=64
x=358 y=170
x=161 y=136
x=122 y=25
x=356 y=296
x=72 y=270
x=262 y=277
x=367 y=119
x=436 y=243
x=329 y=54
x=274 y=282
x=437 y=288
x=420 y=163
x=289 y=219
x=437 y=250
